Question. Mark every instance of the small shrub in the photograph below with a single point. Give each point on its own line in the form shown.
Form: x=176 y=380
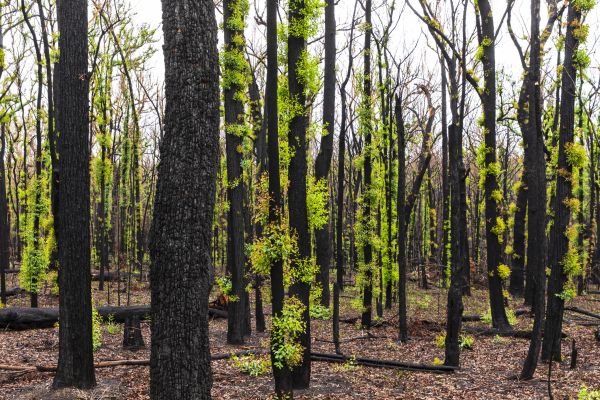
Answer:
x=111 y=327
x=252 y=365
x=96 y=329
x=440 y=340
x=466 y=342
x=317 y=311
x=586 y=394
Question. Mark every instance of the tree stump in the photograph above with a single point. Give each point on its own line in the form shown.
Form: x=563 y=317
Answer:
x=132 y=334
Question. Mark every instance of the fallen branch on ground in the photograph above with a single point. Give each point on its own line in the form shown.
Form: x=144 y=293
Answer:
x=583 y=312
x=22 y=318
x=119 y=363
x=367 y=362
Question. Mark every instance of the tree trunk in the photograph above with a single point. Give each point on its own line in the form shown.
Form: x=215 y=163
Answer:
x=75 y=356
x=366 y=126
x=282 y=376
x=560 y=248
x=181 y=236
x=233 y=93
x=4 y=223
x=323 y=162
x=298 y=213
x=536 y=190
x=401 y=205
x=488 y=101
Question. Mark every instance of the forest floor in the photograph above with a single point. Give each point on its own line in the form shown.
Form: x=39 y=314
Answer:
x=488 y=370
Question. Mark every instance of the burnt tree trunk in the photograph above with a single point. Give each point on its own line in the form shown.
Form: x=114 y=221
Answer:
x=234 y=128
x=562 y=213
x=181 y=235
x=366 y=126
x=282 y=376
x=488 y=102
x=536 y=181
x=323 y=161
x=75 y=355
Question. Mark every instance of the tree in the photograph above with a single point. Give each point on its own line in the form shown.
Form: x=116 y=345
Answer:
x=563 y=258
x=323 y=161
x=297 y=62
x=536 y=183
x=181 y=236
x=493 y=222
x=281 y=371
x=366 y=128
x=75 y=356
x=235 y=73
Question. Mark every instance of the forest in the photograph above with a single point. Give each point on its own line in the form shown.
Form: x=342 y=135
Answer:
x=310 y=199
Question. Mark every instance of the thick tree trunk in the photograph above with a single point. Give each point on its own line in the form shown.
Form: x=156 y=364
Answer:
x=181 y=236
x=75 y=357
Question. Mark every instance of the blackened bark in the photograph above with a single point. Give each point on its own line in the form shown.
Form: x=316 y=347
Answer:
x=75 y=356
x=488 y=101
x=562 y=214
x=50 y=126
x=282 y=376
x=4 y=223
x=367 y=169
x=445 y=179
x=536 y=187
x=517 y=274
x=234 y=120
x=323 y=161
x=259 y=128
x=401 y=207
x=558 y=277
x=297 y=172
x=181 y=236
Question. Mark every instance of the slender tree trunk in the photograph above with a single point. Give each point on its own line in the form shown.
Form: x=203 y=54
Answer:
x=558 y=276
x=401 y=207
x=367 y=169
x=181 y=236
x=282 y=376
x=536 y=190
x=75 y=356
x=234 y=131
x=488 y=101
x=4 y=222
x=323 y=162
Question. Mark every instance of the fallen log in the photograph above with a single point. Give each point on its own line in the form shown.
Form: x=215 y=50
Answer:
x=14 y=291
x=583 y=312
x=119 y=363
x=476 y=318
x=374 y=363
x=333 y=358
x=113 y=275
x=518 y=334
x=22 y=318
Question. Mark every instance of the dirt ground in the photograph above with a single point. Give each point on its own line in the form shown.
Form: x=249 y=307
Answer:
x=488 y=370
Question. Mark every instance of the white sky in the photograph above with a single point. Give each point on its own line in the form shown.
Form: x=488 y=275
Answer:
x=409 y=28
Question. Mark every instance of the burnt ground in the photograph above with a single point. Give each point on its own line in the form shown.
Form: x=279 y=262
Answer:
x=488 y=370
